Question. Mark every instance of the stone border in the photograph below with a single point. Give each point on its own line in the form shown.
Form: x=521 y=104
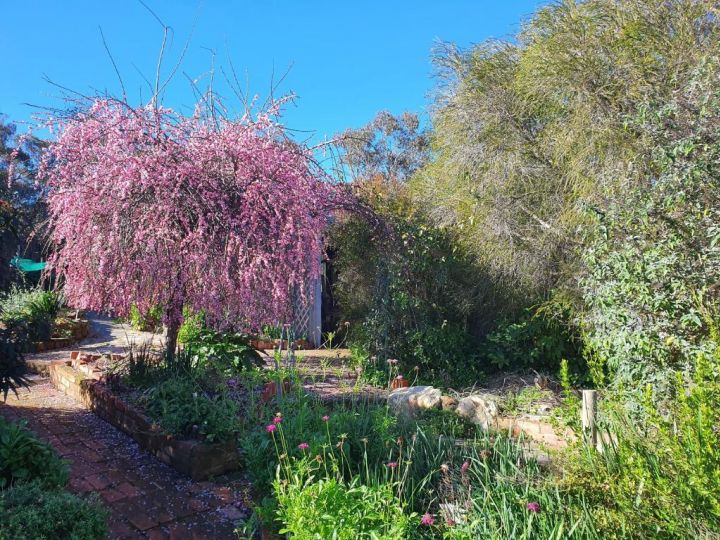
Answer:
x=191 y=457
x=482 y=410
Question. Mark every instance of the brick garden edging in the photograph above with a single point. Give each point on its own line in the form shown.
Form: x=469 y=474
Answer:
x=191 y=457
x=81 y=330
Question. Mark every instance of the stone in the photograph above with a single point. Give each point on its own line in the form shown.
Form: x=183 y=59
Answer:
x=448 y=403
x=480 y=410
x=430 y=399
x=408 y=400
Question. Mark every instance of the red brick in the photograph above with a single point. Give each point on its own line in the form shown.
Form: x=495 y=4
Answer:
x=180 y=532
x=142 y=521
x=128 y=489
x=157 y=534
x=111 y=495
x=120 y=528
x=98 y=481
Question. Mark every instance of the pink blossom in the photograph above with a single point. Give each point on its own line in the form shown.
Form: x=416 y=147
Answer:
x=303 y=446
x=427 y=519
x=326 y=418
x=270 y=428
x=150 y=207
x=465 y=466
x=392 y=465
x=277 y=419
x=533 y=507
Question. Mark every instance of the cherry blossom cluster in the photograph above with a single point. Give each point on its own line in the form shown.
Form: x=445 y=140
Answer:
x=151 y=207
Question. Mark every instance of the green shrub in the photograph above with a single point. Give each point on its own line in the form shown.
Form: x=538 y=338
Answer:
x=408 y=288
x=30 y=313
x=534 y=340
x=192 y=326
x=182 y=407
x=149 y=321
x=328 y=508
x=227 y=352
x=25 y=458
x=660 y=476
x=31 y=511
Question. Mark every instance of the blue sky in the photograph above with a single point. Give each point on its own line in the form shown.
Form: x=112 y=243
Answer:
x=348 y=60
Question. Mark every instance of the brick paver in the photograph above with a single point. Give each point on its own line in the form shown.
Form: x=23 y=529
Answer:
x=146 y=498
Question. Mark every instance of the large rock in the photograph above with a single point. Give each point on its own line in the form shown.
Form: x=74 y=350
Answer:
x=409 y=400
x=480 y=410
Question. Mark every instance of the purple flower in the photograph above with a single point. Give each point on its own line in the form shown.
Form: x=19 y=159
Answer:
x=534 y=507
x=270 y=428
x=326 y=418
x=277 y=419
x=427 y=519
x=303 y=446
x=232 y=383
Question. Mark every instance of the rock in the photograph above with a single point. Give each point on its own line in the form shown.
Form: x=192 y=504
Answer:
x=479 y=410
x=448 y=403
x=408 y=400
x=429 y=399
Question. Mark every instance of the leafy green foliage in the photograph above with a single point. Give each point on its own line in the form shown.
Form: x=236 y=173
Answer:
x=228 y=352
x=192 y=326
x=660 y=475
x=32 y=511
x=148 y=321
x=445 y=423
x=25 y=458
x=328 y=508
x=653 y=264
x=30 y=313
x=182 y=407
x=534 y=340
x=409 y=294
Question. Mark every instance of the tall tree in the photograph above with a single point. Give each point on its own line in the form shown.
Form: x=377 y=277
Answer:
x=531 y=135
x=149 y=207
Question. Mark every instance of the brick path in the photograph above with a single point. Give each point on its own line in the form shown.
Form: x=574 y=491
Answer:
x=147 y=498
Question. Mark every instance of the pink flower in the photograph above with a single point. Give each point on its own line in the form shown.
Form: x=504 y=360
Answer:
x=450 y=522
x=392 y=465
x=303 y=446
x=270 y=428
x=465 y=466
x=326 y=418
x=427 y=519
x=533 y=507
x=277 y=419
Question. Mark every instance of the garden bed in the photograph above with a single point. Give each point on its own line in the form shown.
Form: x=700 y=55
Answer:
x=197 y=459
x=79 y=330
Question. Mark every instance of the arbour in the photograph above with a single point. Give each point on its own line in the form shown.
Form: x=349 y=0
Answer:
x=150 y=207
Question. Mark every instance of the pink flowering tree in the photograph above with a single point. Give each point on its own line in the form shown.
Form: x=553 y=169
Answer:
x=150 y=207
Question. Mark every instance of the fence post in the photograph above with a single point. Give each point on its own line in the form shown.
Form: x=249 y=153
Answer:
x=589 y=412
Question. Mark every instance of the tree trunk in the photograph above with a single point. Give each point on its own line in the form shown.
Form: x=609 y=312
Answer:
x=171 y=340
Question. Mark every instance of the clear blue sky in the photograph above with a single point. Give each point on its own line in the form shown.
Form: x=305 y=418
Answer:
x=349 y=59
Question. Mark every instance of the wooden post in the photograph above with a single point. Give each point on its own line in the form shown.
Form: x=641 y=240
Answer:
x=589 y=412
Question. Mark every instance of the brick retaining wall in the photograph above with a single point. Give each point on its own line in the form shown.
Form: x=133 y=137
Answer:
x=191 y=457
